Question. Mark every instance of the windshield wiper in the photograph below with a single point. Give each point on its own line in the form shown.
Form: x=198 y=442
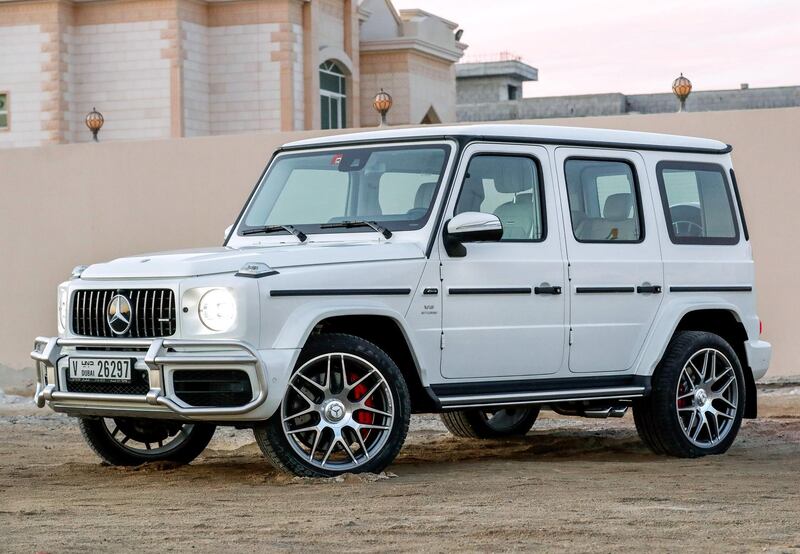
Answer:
x=267 y=229
x=359 y=223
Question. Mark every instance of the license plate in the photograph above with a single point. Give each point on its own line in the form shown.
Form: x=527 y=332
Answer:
x=102 y=370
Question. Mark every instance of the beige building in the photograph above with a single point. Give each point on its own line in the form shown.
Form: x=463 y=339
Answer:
x=175 y=68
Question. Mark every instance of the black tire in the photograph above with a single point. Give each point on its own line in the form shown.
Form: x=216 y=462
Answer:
x=476 y=424
x=657 y=417
x=270 y=434
x=99 y=437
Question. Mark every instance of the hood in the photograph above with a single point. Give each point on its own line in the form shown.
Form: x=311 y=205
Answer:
x=209 y=261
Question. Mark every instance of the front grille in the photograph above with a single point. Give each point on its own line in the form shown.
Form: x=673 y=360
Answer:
x=140 y=384
x=212 y=387
x=153 y=313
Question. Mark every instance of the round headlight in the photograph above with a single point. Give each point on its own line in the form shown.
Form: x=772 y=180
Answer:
x=62 y=308
x=217 y=310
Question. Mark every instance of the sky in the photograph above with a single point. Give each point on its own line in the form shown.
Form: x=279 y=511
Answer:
x=633 y=46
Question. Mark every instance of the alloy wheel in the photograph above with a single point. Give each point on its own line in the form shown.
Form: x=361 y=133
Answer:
x=338 y=411
x=707 y=397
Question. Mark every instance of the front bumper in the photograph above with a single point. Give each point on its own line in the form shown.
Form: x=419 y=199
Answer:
x=159 y=357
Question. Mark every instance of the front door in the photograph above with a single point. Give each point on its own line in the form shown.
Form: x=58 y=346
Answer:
x=503 y=311
x=615 y=267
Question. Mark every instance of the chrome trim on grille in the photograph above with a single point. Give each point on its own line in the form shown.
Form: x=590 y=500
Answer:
x=154 y=312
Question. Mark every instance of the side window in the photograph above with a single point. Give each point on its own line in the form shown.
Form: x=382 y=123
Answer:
x=697 y=203
x=603 y=200
x=509 y=187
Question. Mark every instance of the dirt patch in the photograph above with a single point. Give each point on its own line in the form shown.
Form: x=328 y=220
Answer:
x=570 y=484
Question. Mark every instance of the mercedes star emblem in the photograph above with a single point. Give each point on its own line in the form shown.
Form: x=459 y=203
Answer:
x=118 y=315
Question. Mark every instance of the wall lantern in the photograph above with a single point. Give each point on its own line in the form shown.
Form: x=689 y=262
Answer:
x=682 y=87
x=382 y=104
x=94 y=121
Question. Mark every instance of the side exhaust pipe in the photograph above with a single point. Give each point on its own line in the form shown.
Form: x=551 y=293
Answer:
x=610 y=411
x=592 y=411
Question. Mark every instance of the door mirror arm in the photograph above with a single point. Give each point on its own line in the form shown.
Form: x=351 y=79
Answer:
x=470 y=227
x=453 y=247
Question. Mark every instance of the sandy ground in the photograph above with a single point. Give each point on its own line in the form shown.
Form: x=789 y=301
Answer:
x=583 y=485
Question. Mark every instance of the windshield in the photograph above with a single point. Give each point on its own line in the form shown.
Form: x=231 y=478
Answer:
x=394 y=186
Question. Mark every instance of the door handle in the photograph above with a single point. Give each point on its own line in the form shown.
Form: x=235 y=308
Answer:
x=648 y=289
x=546 y=289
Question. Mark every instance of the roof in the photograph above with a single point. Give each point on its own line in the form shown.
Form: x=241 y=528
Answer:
x=514 y=69
x=545 y=134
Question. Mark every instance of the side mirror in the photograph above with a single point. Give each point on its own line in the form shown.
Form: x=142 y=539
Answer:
x=470 y=227
x=227 y=232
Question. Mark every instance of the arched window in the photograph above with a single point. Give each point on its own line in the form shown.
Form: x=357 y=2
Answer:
x=333 y=96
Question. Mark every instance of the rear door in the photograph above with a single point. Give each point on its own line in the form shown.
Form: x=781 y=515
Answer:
x=615 y=266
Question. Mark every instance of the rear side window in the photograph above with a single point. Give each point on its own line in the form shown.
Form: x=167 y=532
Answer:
x=697 y=203
x=603 y=200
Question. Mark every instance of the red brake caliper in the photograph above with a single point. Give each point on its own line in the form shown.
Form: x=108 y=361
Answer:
x=362 y=416
x=684 y=402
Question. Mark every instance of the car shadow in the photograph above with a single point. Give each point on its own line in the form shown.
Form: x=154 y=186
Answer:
x=541 y=446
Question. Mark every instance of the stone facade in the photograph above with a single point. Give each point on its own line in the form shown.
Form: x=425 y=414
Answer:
x=173 y=68
x=120 y=67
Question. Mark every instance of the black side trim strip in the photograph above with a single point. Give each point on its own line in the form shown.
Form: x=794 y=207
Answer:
x=517 y=140
x=711 y=289
x=540 y=385
x=340 y=292
x=603 y=290
x=507 y=290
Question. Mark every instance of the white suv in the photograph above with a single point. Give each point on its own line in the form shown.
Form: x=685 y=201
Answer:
x=480 y=272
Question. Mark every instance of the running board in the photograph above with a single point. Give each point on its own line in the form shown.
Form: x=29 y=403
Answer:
x=541 y=397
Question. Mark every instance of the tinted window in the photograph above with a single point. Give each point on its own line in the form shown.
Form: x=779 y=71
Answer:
x=508 y=187
x=603 y=201
x=697 y=203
